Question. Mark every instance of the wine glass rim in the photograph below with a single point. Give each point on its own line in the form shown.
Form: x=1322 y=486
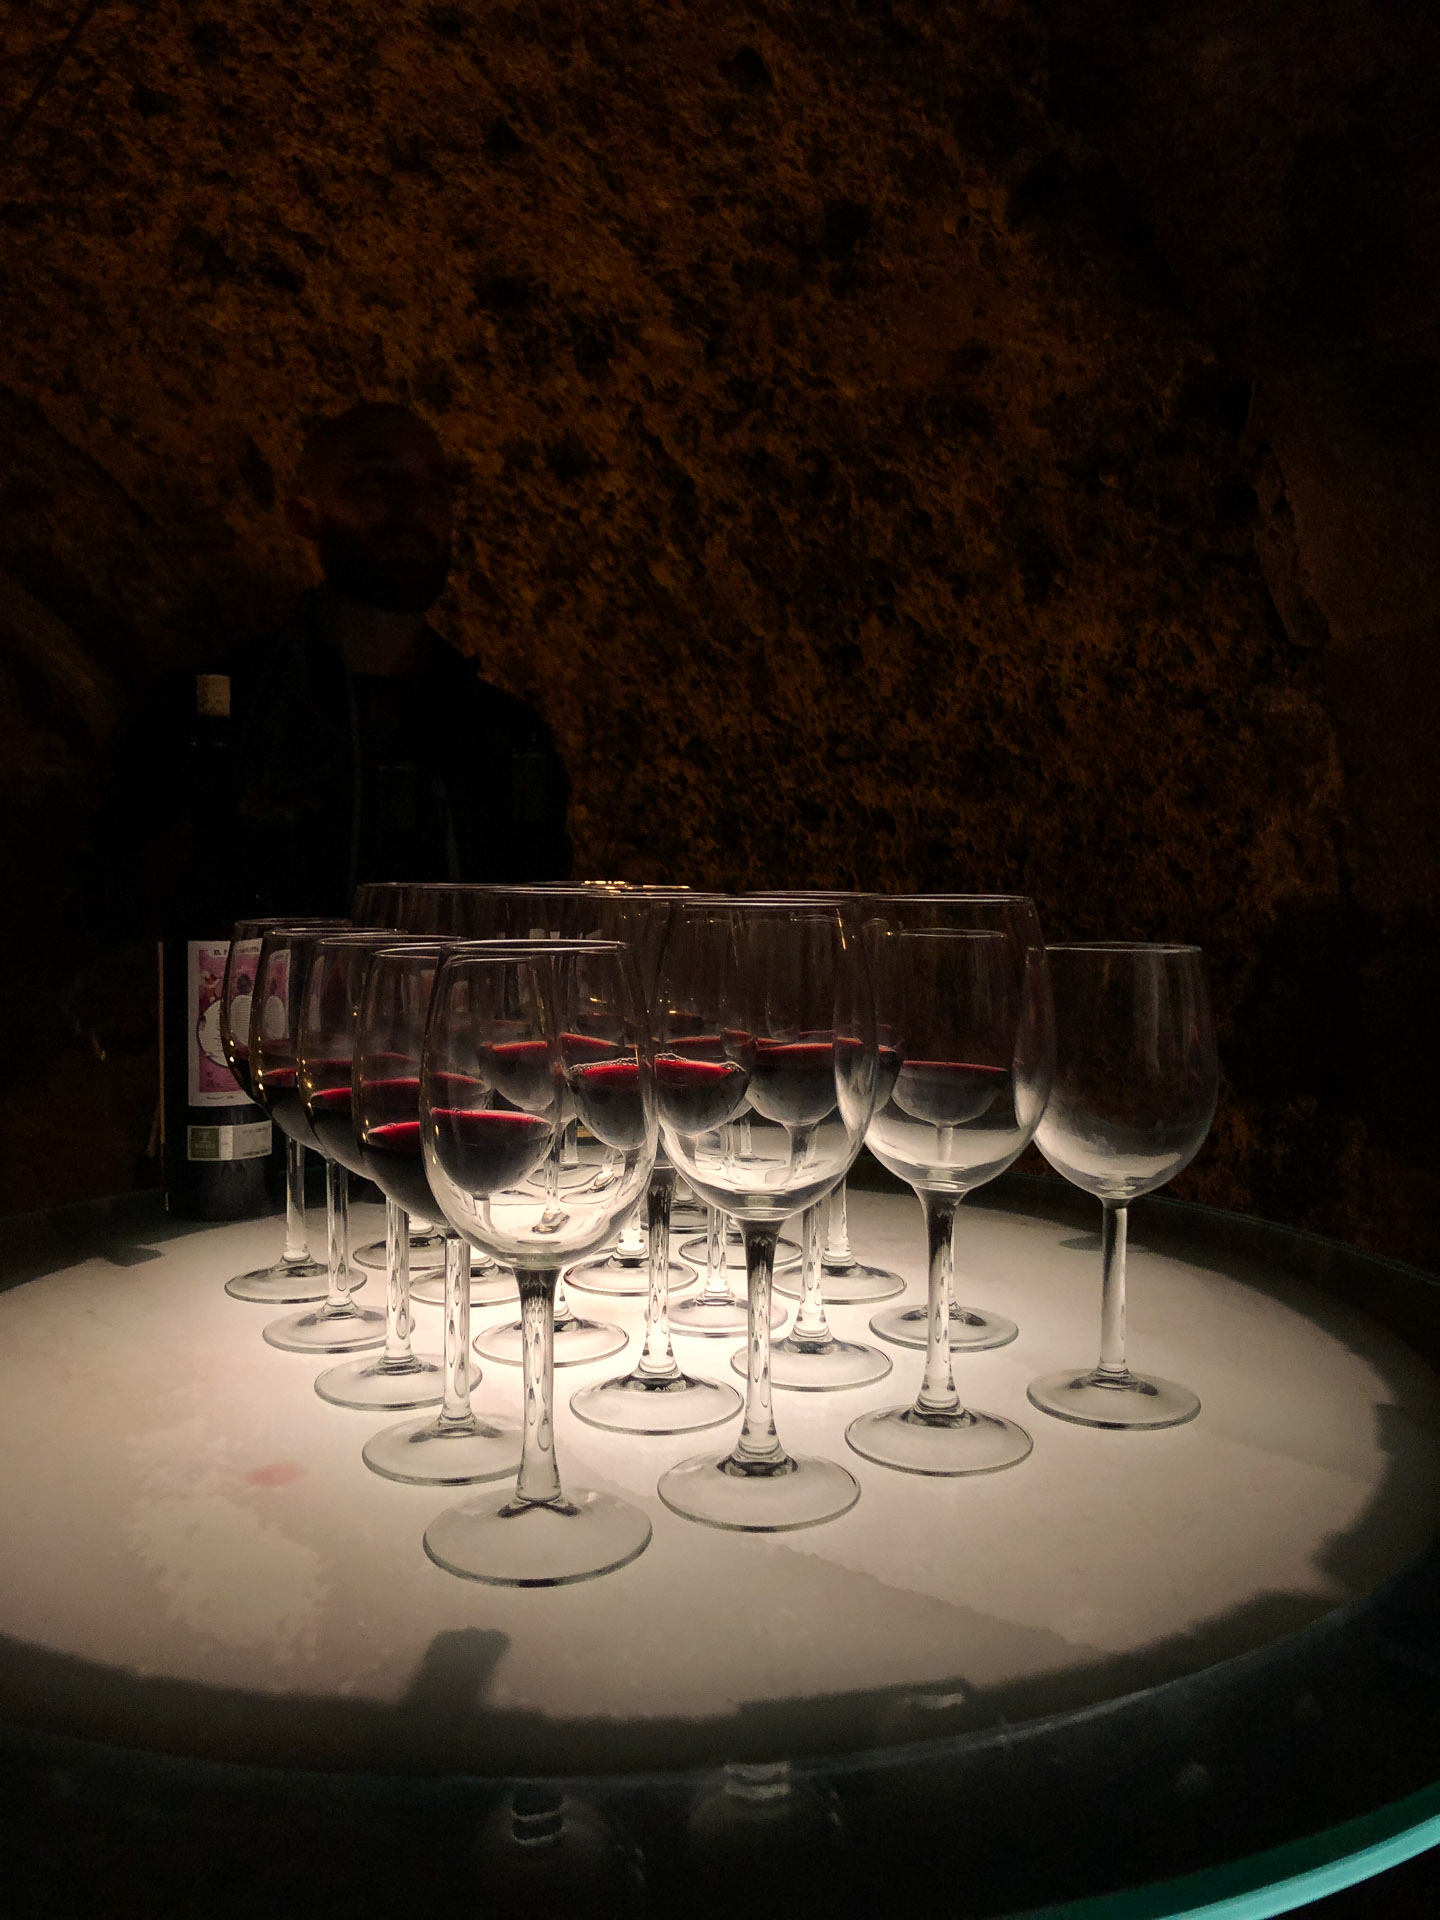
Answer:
x=950 y=899
x=515 y=949
x=1121 y=946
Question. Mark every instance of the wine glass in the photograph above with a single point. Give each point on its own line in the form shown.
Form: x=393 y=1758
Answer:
x=656 y=1395
x=325 y=1054
x=295 y=1277
x=810 y=1358
x=338 y=1326
x=847 y=1281
x=543 y=911
x=717 y=1312
x=518 y=1040
x=788 y=1252
x=959 y=1101
x=381 y=903
x=765 y=1075
x=1135 y=1087
x=457 y=1445
x=973 y=1329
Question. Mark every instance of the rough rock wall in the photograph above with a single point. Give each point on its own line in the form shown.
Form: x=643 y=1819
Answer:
x=855 y=480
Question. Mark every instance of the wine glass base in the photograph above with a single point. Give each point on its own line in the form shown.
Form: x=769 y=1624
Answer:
x=963 y=1443
x=576 y=1343
x=803 y=1368
x=289 y=1283
x=709 y=1489
x=717 y=1319
x=322 y=1332
x=431 y=1453
x=1134 y=1400
x=637 y=1403
x=971 y=1329
x=605 y=1274
x=697 y=1251
x=855 y=1286
x=509 y=1545
x=427 y=1250
x=490 y=1286
x=373 y=1386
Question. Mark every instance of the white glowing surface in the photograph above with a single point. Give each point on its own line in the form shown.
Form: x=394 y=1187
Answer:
x=186 y=1520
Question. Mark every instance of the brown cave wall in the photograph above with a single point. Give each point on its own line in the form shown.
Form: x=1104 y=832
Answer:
x=854 y=480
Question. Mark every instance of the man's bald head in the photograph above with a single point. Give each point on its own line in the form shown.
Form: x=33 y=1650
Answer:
x=374 y=498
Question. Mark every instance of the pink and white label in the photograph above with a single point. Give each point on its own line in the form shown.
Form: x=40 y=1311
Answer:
x=211 y=1082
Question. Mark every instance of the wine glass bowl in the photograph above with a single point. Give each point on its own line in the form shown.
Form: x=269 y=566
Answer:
x=1136 y=1080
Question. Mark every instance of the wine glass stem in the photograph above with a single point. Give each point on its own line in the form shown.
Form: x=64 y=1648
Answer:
x=811 y=1326
x=717 y=1287
x=297 y=1240
x=1113 y=1225
x=455 y=1404
x=758 y=1443
x=937 y=1390
x=539 y=1481
x=397 y=1275
x=337 y=1237
x=657 y=1362
x=839 y=1256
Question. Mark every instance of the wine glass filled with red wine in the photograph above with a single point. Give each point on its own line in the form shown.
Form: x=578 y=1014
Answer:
x=338 y=1325
x=295 y=1277
x=958 y=1101
x=457 y=1445
x=397 y=1377
x=519 y=1041
x=973 y=1329
x=765 y=1077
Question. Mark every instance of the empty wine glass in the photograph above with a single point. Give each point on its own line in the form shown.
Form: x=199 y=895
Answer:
x=295 y=1277
x=959 y=1101
x=845 y=1280
x=457 y=1445
x=788 y=1252
x=397 y=1377
x=1135 y=1088
x=717 y=1312
x=517 y=1042
x=810 y=1358
x=765 y=1075
x=973 y=1329
x=338 y=1326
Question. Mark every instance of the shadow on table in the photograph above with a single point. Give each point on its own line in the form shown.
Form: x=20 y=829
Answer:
x=128 y=1230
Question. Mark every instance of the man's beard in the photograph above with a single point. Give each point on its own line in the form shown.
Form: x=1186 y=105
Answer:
x=409 y=583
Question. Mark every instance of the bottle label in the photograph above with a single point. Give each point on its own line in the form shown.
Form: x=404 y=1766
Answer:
x=211 y=1082
x=243 y=955
x=248 y=1142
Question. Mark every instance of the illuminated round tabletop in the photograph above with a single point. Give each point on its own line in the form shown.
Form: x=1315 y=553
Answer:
x=196 y=1561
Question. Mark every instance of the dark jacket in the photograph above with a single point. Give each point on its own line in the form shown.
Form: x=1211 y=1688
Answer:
x=334 y=779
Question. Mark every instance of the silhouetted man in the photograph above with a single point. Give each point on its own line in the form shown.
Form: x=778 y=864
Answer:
x=361 y=734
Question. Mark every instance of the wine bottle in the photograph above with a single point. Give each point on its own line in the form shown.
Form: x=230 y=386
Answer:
x=215 y=1143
